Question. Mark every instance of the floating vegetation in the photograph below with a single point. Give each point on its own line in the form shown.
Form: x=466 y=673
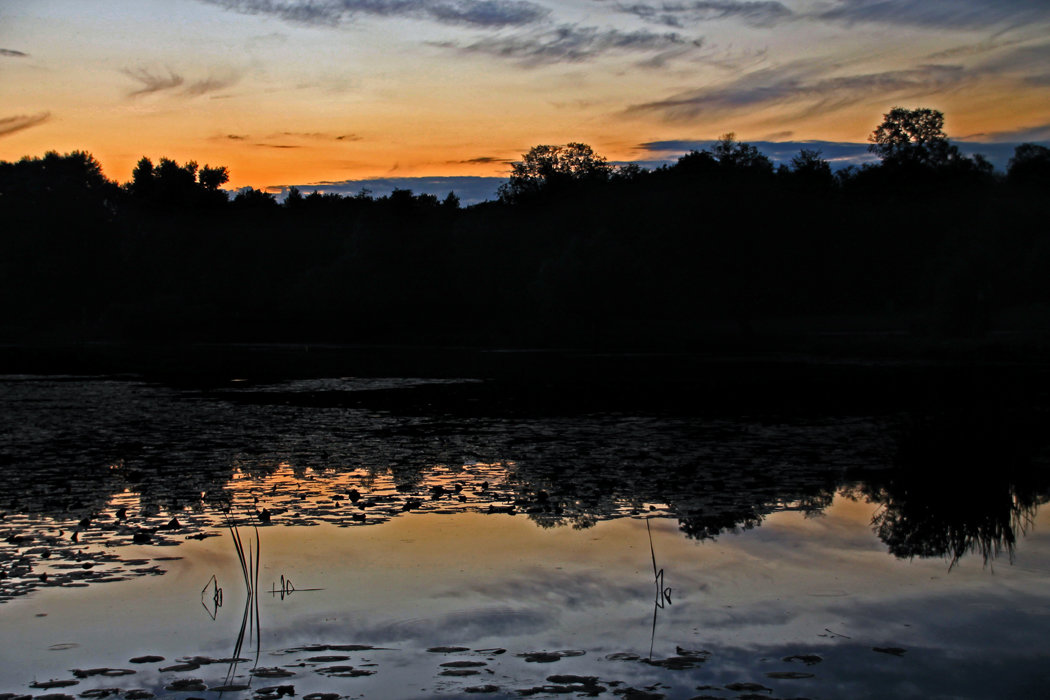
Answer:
x=892 y=651
x=789 y=675
x=547 y=657
x=107 y=672
x=47 y=685
x=187 y=685
x=273 y=672
x=808 y=659
x=748 y=687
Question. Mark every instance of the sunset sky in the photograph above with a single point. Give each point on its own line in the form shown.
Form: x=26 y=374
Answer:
x=322 y=91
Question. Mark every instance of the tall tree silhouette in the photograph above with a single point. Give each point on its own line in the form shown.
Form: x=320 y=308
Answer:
x=546 y=168
x=912 y=137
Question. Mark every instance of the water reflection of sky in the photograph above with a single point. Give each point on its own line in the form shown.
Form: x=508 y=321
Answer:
x=398 y=521
x=794 y=586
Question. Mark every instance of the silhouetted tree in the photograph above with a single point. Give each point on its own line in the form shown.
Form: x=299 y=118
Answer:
x=171 y=185
x=1030 y=165
x=213 y=178
x=735 y=156
x=809 y=168
x=295 y=199
x=553 y=167
x=251 y=198
x=695 y=165
x=912 y=137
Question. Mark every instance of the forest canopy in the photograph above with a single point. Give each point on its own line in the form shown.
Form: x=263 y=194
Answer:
x=575 y=250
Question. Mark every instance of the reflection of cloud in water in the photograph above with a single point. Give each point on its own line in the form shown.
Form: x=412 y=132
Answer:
x=461 y=626
x=769 y=614
x=561 y=589
x=1013 y=621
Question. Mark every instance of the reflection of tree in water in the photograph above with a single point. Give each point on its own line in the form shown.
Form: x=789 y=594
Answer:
x=714 y=478
x=967 y=480
x=943 y=496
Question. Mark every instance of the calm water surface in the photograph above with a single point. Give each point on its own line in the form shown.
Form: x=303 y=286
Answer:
x=414 y=554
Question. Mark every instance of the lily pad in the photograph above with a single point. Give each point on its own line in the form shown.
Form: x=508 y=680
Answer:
x=750 y=687
x=547 y=657
x=789 y=675
x=47 y=685
x=187 y=684
x=274 y=672
x=808 y=659
x=894 y=651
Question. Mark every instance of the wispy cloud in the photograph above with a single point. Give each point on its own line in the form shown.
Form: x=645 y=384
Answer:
x=315 y=136
x=10 y=125
x=481 y=160
x=806 y=88
x=152 y=82
x=11 y=53
x=1031 y=58
x=570 y=43
x=169 y=81
x=1040 y=132
x=682 y=14
x=478 y=13
x=211 y=84
x=939 y=14
x=974 y=49
x=778 y=150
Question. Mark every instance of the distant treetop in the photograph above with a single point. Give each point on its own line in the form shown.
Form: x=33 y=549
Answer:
x=912 y=137
x=547 y=167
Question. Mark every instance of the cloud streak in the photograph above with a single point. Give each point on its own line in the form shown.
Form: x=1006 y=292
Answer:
x=477 y=13
x=682 y=14
x=804 y=88
x=11 y=125
x=152 y=82
x=11 y=53
x=482 y=160
x=1039 y=132
x=169 y=81
x=938 y=14
x=570 y=43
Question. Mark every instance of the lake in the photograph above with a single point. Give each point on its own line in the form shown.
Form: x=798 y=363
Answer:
x=435 y=535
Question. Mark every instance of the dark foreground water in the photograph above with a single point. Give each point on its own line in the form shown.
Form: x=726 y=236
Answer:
x=393 y=537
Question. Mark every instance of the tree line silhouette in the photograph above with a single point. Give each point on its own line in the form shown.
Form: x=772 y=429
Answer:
x=574 y=250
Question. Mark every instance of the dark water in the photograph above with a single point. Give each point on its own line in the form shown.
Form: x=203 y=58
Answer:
x=614 y=538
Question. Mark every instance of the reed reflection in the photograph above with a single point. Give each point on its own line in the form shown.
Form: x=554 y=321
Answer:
x=251 y=625
x=663 y=593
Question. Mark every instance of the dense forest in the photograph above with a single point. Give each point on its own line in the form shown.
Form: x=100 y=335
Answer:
x=721 y=244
